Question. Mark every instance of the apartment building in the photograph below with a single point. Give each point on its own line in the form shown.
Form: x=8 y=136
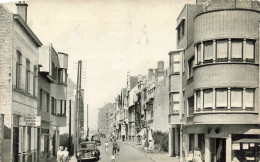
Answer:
x=52 y=104
x=18 y=88
x=217 y=63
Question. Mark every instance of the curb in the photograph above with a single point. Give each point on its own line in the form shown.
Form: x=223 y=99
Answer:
x=140 y=151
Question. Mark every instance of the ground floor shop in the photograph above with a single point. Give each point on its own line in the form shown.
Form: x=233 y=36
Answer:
x=220 y=143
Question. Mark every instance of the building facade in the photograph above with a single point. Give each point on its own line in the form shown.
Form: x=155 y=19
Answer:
x=217 y=64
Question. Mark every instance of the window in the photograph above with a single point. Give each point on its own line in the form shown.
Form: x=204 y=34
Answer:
x=175 y=102
x=190 y=105
x=222 y=50
x=199 y=53
x=18 y=69
x=53 y=106
x=41 y=98
x=47 y=102
x=221 y=98
x=34 y=80
x=198 y=99
x=175 y=64
x=236 y=50
x=181 y=30
x=208 y=98
x=191 y=65
x=208 y=51
x=236 y=98
x=27 y=81
x=249 y=50
x=249 y=98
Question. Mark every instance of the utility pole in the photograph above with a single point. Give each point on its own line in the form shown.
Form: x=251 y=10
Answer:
x=87 y=122
x=78 y=104
x=70 y=127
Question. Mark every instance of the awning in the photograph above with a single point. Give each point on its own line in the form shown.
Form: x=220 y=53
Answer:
x=141 y=133
x=248 y=140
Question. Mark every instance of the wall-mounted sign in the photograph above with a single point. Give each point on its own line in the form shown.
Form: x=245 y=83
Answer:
x=30 y=121
x=236 y=146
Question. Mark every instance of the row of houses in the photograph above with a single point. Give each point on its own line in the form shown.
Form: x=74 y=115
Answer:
x=33 y=87
x=209 y=96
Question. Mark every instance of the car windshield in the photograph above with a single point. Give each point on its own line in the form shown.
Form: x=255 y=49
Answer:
x=88 y=145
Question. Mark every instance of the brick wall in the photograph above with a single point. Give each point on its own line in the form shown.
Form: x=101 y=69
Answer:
x=6 y=42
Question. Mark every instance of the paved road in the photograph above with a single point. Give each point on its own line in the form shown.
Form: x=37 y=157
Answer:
x=127 y=153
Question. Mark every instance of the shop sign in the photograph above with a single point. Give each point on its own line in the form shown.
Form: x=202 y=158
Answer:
x=30 y=121
x=236 y=146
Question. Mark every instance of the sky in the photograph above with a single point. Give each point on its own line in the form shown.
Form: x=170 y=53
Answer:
x=110 y=36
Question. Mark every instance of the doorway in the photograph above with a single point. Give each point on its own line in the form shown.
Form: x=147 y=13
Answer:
x=218 y=149
x=15 y=143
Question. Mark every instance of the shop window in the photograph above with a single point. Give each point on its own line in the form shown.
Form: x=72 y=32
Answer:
x=249 y=98
x=249 y=50
x=198 y=100
x=208 y=51
x=208 y=98
x=221 y=98
x=222 y=50
x=236 y=50
x=199 y=53
x=236 y=98
x=190 y=65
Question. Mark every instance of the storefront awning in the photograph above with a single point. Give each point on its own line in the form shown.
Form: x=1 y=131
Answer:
x=141 y=133
x=248 y=140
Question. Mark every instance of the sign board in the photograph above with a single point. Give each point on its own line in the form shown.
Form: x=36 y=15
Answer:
x=30 y=121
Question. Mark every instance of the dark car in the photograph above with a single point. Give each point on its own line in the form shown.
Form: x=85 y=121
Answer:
x=87 y=151
x=96 y=138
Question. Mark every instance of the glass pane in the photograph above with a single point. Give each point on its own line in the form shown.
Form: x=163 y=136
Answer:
x=176 y=57
x=236 y=48
x=198 y=98
x=175 y=97
x=249 y=50
x=236 y=97
x=221 y=98
x=249 y=98
x=208 y=51
x=208 y=98
x=222 y=48
x=176 y=67
x=199 y=52
x=176 y=107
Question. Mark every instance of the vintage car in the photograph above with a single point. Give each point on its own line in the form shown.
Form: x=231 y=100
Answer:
x=87 y=151
x=96 y=138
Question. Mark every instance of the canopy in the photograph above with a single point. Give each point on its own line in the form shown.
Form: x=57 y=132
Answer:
x=141 y=133
x=248 y=140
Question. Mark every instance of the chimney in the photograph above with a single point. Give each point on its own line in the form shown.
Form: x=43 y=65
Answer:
x=150 y=73
x=160 y=68
x=22 y=9
x=156 y=73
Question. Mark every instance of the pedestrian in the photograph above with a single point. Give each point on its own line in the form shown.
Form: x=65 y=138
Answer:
x=146 y=145
x=65 y=157
x=59 y=154
x=190 y=156
x=113 y=157
x=197 y=155
x=115 y=147
x=106 y=147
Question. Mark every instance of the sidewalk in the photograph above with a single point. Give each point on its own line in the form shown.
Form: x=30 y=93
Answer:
x=155 y=156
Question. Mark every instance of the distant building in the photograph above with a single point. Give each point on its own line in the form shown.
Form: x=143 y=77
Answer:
x=103 y=119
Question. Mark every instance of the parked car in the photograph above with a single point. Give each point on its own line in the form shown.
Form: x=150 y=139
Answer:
x=96 y=138
x=87 y=151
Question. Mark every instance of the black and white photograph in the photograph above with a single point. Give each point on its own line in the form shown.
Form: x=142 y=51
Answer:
x=129 y=81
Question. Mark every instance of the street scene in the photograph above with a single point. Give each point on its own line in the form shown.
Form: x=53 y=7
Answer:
x=129 y=80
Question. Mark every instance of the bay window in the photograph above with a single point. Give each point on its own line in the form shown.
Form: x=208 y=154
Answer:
x=199 y=53
x=175 y=102
x=249 y=50
x=236 y=50
x=175 y=63
x=249 y=98
x=208 y=98
x=236 y=98
x=221 y=98
x=198 y=100
x=208 y=51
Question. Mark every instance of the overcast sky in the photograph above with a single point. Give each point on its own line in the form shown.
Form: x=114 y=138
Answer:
x=111 y=36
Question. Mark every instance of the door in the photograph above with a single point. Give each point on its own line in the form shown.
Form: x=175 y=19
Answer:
x=221 y=149
x=54 y=144
x=15 y=144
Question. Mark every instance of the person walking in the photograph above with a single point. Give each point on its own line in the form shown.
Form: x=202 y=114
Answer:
x=59 y=154
x=115 y=147
x=106 y=147
x=146 y=145
x=65 y=157
x=197 y=155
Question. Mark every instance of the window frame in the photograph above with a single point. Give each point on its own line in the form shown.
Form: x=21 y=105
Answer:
x=27 y=76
